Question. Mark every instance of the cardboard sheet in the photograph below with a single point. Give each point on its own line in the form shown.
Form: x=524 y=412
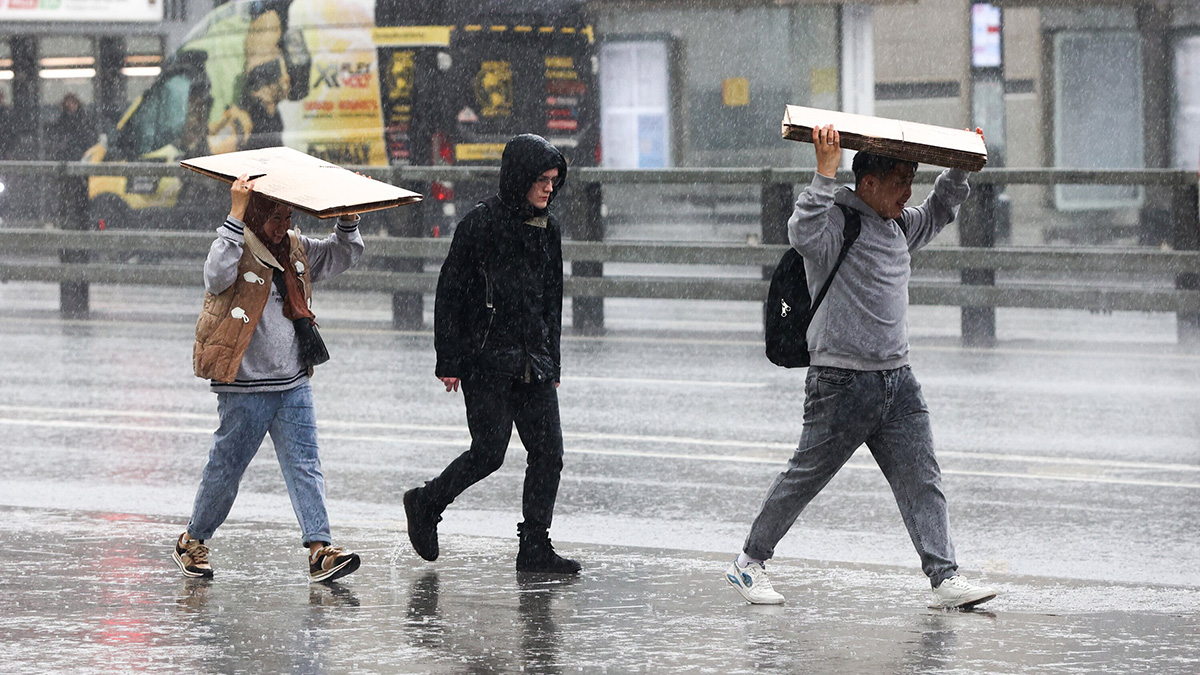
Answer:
x=304 y=182
x=924 y=143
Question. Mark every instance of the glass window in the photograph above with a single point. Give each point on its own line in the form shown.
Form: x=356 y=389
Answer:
x=6 y=72
x=159 y=120
x=1098 y=114
x=6 y=97
x=1186 y=154
x=143 y=63
x=67 y=66
x=635 y=104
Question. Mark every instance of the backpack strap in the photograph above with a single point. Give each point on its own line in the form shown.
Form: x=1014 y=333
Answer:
x=849 y=235
x=486 y=250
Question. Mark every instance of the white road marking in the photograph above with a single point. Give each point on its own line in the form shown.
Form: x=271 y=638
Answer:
x=574 y=435
x=658 y=381
x=764 y=456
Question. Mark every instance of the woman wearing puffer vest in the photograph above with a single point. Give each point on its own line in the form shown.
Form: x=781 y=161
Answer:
x=258 y=278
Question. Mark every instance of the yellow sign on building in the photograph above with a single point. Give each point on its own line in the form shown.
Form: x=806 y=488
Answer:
x=735 y=91
x=494 y=88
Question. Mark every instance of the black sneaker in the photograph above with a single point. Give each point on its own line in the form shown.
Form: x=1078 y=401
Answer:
x=192 y=558
x=537 y=555
x=331 y=562
x=422 y=525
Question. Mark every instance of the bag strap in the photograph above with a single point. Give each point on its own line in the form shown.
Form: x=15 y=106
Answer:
x=849 y=235
x=280 y=284
x=486 y=247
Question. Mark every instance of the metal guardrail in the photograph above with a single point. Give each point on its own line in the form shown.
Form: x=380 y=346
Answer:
x=931 y=258
x=679 y=176
x=977 y=262
x=193 y=247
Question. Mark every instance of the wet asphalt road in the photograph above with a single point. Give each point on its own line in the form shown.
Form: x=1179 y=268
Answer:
x=1071 y=456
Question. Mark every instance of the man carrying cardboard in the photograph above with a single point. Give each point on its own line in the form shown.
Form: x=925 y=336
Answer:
x=860 y=388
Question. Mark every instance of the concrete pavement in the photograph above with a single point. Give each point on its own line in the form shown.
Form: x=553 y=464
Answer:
x=97 y=592
x=1071 y=471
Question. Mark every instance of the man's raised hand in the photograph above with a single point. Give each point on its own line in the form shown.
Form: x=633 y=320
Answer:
x=828 y=144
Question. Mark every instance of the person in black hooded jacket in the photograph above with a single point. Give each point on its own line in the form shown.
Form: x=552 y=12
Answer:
x=497 y=326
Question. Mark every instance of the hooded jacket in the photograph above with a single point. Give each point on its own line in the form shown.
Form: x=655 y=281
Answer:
x=863 y=323
x=498 y=307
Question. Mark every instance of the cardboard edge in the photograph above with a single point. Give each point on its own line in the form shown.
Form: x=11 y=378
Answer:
x=850 y=141
x=363 y=208
x=323 y=214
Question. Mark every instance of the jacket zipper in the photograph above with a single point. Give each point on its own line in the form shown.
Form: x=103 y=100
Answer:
x=487 y=282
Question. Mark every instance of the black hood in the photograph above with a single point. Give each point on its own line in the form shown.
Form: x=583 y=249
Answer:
x=525 y=158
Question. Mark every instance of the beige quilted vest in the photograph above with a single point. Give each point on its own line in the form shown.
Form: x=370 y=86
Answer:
x=228 y=319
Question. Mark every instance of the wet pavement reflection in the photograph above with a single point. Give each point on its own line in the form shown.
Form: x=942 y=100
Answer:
x=1072 y=472
x=90 y=592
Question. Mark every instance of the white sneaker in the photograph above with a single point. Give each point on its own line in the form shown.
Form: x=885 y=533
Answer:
x=752 y=582
x=958 y=593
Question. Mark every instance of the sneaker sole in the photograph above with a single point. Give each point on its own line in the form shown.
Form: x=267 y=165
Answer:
x=970 y=604
x=338 y=572
x=186 y=572
x=729 y=579
x=549 y=572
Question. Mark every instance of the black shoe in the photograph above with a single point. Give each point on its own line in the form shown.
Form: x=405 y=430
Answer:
x=422 y=525
x=537 y=555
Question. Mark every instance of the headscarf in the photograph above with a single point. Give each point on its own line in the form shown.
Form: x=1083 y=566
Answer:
x=258 y=211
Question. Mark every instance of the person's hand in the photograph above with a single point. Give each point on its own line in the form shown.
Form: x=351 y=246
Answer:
x=828 y=144
x=980 y=132
x=450 y=382
x=240 y=193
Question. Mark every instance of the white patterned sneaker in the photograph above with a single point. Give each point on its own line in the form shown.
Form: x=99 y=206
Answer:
x=752 y=582
x=958 y=593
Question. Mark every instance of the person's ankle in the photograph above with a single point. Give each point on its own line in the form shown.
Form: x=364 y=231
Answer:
x=743 y=560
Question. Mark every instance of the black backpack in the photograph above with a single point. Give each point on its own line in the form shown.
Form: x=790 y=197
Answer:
x=790 y=308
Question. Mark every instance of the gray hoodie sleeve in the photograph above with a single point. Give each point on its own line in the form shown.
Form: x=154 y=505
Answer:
x=336 y=253
x=924 y=222
x=221 y=266
x=815 y=228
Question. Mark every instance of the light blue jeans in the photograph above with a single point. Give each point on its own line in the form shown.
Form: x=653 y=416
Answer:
x=245 y=420
x=842 y=410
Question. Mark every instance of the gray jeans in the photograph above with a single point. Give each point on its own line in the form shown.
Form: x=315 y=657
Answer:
x=842 y=410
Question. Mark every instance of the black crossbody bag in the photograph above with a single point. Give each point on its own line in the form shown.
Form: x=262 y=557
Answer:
x=312 y=346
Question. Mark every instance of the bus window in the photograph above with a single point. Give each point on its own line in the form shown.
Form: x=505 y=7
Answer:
x=159 y=120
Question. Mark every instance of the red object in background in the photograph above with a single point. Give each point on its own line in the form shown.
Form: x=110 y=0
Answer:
x=443 y=151
x=442 y=192
x=437 y=231
x=101 y=224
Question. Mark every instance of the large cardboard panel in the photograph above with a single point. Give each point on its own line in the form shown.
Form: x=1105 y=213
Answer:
x=304 y=182
x=924 y=143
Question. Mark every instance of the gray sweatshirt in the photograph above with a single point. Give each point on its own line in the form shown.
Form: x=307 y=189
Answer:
x=272 y=360
x=863 y=322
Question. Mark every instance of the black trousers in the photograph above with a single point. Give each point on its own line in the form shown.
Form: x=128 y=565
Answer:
x=494 y=405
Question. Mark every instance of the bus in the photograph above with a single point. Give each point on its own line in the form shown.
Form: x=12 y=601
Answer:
x=355 y=82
